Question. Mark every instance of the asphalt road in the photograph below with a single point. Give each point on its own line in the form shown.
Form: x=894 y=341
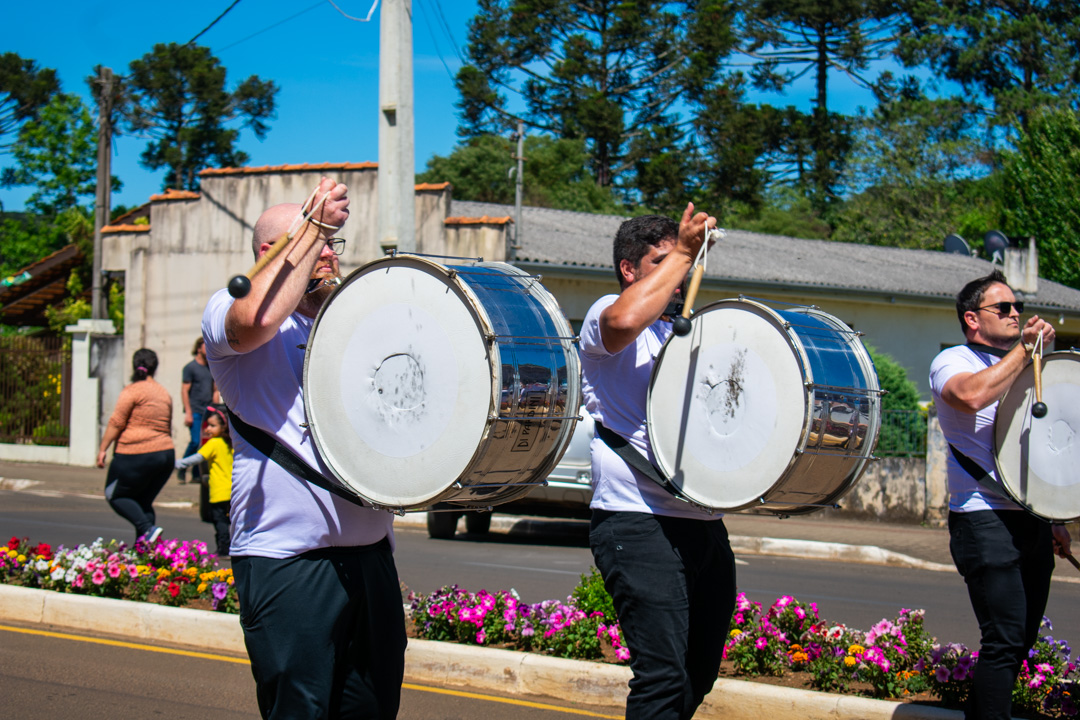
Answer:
x=44 y=676
x=544 y=560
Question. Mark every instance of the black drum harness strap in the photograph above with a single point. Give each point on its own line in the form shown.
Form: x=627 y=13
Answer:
x=635 y=459
x=288 y=460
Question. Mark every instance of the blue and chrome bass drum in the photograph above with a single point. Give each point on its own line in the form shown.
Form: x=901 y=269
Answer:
x=1038 y=459
x=763 y=410
x=429 y=384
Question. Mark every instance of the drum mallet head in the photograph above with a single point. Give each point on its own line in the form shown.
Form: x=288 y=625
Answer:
x=1038 y=409
x=680 y=325
x=239 y=286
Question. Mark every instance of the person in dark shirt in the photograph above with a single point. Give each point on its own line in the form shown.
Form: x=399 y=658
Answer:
x=197 y=391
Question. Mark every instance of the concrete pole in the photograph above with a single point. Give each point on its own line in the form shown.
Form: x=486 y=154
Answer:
x=511 y=251
x=103 y=193
x=397 y=167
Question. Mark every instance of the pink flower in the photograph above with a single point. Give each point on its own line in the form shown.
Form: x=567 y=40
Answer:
x=481 y=637
x=1036 y=681
x=623 y=653
x=78 y=581
x=761 y=643
x=99 y=576
x=114 y=571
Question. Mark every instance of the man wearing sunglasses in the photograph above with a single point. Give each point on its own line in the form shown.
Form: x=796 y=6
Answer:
x=1005 y=555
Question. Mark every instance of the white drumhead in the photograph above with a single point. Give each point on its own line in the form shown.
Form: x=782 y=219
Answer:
x=1038 y=459
x=727 y=405
x=398 y=381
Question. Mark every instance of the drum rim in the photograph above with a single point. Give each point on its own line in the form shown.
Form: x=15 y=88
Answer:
x=1005 y=477
x=799 y=351
x=485 y=326
x=483 y=323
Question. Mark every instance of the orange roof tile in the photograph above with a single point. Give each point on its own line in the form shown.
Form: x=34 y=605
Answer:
x=484 y=220
x=432 y=186
x=125 y=228
x=171 y=194
x=302 y=167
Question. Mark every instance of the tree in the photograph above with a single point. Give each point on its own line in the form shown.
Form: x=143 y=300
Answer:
x=598 y=71
x=177 y=98
x=25 y=239
x=1041 y=191
x=24 y=89
x=57 y=154
x=903 y=423
x=915 y=170
x=1018 y=54
x=816 y=37
x=555 y=174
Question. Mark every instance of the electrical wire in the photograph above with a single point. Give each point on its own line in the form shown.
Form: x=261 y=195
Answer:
x=203 y=31
x=435 y=42
x=350 y=17
x=270 y=27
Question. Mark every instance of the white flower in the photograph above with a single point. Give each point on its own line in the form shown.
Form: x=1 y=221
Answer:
x=58 y=574
x=41 y=565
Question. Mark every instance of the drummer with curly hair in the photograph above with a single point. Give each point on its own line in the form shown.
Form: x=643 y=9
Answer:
x=1005 y=555
x=667 y=564
x=320 y=602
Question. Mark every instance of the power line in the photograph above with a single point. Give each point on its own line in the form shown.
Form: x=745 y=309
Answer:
x=203 y=31
x=270 y=27
x=371 y=12
x=435 y=43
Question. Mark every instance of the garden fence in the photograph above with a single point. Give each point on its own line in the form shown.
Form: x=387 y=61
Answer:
x=903 y=434
x=35 y=389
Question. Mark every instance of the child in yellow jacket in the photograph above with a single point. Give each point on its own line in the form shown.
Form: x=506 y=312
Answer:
x=218 y=453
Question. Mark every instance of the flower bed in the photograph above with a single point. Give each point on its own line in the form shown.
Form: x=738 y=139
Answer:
x=786 y=642
x=169 y=572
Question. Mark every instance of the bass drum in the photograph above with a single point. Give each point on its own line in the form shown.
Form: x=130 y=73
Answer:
x=1038 y=459
x=431 y=384
x=774 y=411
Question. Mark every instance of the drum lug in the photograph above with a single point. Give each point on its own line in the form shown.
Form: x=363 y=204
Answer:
x=304 y=425
x=302 y=346
x=451 y=273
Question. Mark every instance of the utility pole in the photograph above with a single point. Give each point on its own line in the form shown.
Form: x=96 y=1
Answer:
x=515 y=243
x=103 y=194
x=397 y=167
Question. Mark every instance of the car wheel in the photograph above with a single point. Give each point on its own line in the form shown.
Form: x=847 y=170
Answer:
x=442 y=525
x=477 y=523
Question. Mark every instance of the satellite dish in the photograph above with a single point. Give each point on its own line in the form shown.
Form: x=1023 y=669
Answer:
x=957 y=245
x=995 y=243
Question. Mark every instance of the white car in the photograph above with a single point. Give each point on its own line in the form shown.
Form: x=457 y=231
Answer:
x=567 y=493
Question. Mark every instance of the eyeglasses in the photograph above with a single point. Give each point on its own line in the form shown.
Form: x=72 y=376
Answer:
x=336 y=244
x=1004 y=307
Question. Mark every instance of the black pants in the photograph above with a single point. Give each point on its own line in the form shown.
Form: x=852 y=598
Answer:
x=132 y=483
x=219 y=515
x=325 y=632
x=673 y=583
x=1006 y=558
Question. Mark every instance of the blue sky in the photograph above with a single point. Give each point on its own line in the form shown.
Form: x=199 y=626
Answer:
x=325 y=64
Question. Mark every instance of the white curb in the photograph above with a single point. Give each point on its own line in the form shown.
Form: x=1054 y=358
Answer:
x=477 y=668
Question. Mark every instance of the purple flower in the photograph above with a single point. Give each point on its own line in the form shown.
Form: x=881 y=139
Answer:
x=941 y=674
x=220 y=590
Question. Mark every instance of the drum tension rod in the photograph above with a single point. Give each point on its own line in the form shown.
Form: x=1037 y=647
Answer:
x=302 y=346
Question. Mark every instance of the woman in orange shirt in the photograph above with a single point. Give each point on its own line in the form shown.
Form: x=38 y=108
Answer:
x=141 y=427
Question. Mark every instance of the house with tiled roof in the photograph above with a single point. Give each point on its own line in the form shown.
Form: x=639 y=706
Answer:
x=182 y=246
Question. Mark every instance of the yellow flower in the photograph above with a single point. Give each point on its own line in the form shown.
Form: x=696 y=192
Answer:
x=736 y=632
x=849 y=661
x=230 y=580
x=800 y=657
x=224 y=573
x=20 y=558
x=795 y=648
x=163 y=573
x=856 y=649
x=191 y=571
x=12 y=553
x=201 y=589
x=206 y=577
x=142 y=569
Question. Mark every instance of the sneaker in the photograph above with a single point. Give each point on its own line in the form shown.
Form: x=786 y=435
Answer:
x=181 y=476
x=154 y=534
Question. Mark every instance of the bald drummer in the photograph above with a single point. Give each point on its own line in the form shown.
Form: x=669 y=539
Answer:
x=1005 y=555
x=320 y=602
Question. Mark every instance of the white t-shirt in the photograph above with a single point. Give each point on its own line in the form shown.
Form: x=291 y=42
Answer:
x=273 y=513
x=971 y=433
x=616 y=389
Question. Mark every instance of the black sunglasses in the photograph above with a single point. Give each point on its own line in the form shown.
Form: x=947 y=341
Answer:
x=1005 y=307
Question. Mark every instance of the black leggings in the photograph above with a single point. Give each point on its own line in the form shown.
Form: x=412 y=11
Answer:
x=132 y=483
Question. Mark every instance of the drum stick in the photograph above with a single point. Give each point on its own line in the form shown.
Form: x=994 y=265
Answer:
x=240 y=285
x=681 y=325
x=1038 y=410
x=1071 y=559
